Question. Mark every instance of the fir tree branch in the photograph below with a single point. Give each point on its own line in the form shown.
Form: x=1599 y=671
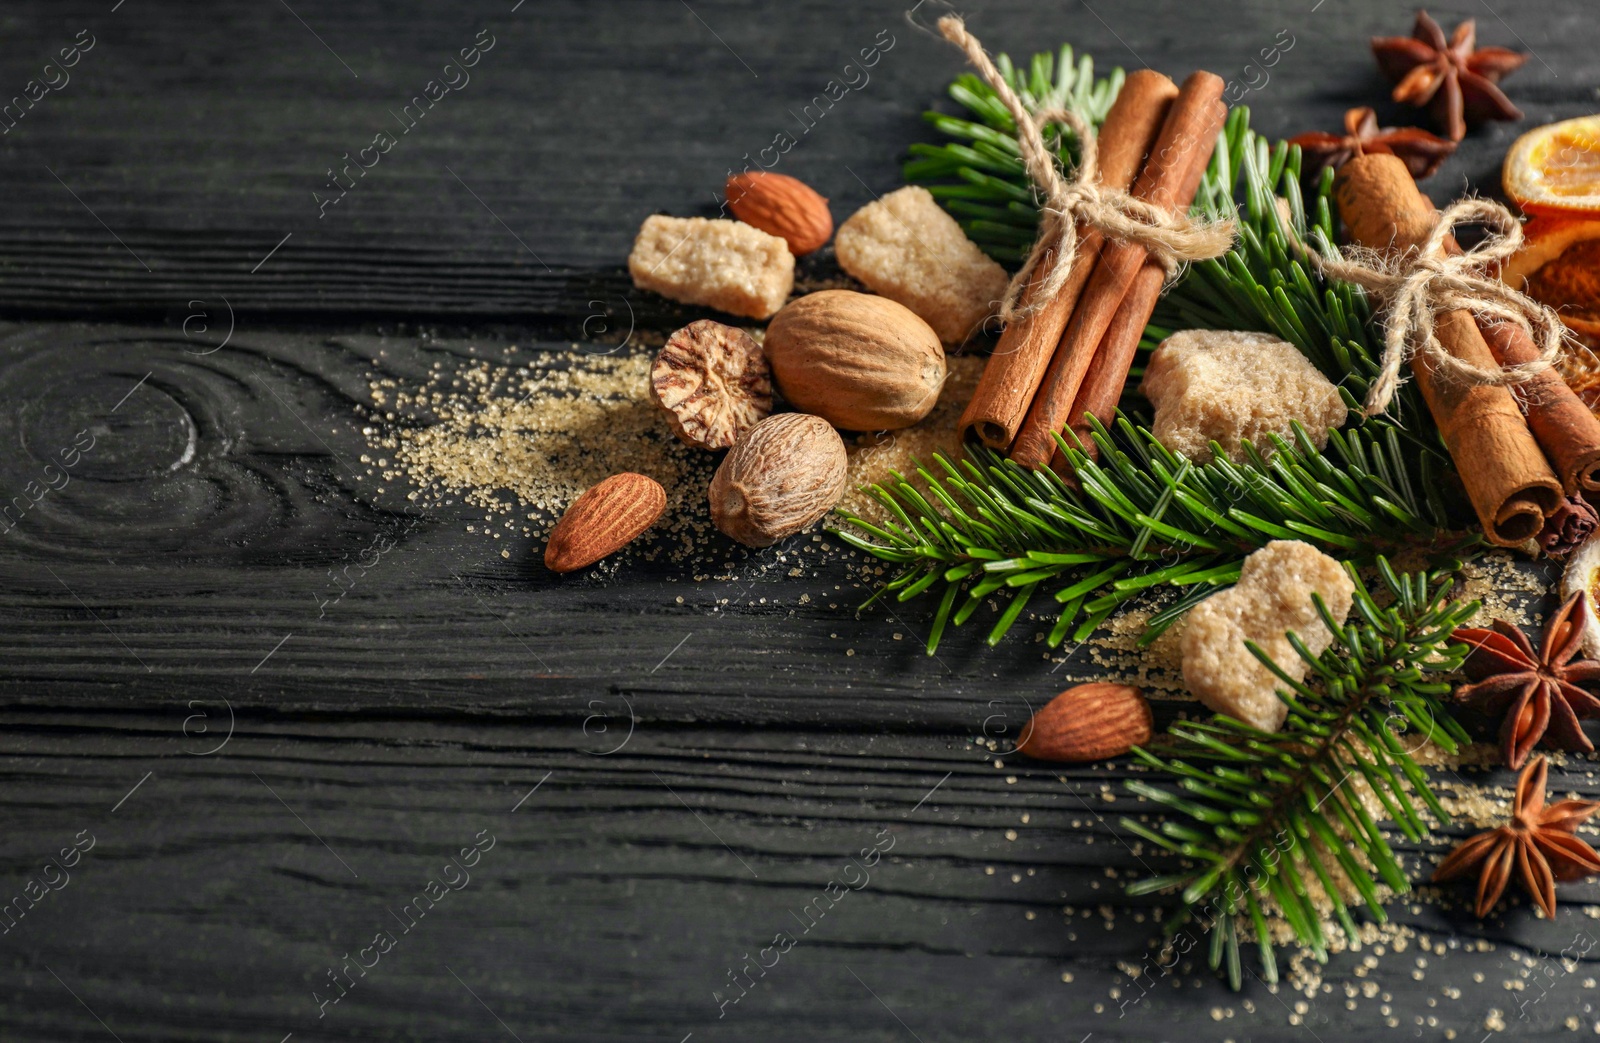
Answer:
x=1255 y=814
x=1140 y=517
x=1249 y=807
x=1262 y=285
x=1383 y=483
x=980 y=177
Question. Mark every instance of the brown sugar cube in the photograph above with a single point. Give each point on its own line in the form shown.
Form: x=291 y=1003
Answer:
x=1272 y=597
x=1233 y=388
x=906 y=248
x=727 y=265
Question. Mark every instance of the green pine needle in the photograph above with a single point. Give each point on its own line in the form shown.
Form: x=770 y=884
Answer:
x=1248 y=805
x=980 y=176
x=1262 y=285
x=1141 y=517
x=1381 y=485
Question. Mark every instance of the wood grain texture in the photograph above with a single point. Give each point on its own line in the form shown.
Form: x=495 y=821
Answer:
x=620 y=892
x=268 y=780
x=583 y=118
x=223 y=489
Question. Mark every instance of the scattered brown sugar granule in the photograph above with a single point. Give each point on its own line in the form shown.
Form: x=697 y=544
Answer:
x=523 y=442
x=1503 y=586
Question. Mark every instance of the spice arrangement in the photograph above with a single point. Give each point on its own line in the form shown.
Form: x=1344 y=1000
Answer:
x=1535 y=693
x=1201 y=405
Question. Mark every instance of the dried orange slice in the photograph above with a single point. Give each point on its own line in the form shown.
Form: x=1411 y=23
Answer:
x=1554 y=170
x=1559 y=265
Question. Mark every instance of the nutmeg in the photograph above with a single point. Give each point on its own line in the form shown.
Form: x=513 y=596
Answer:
x=860 y=362
x=779 y=477
x=713 y=382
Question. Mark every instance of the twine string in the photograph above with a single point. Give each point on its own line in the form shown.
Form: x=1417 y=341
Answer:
x=1430 y=279
x=1171 y=239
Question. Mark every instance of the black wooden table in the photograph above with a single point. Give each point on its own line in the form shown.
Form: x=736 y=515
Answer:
x=471 y=799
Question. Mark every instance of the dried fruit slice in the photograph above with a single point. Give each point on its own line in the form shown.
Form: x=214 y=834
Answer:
x=714 y=383
x=1559 y=265
x=1583 y=574
x=1554 y=170
x=1580 y=368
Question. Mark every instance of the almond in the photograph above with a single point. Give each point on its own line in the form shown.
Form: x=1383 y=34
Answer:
x=603 y=520
x=782 y=206
x=1089 y=722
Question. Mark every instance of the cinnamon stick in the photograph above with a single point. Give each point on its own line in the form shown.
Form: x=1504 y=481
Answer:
x=1192 y=124
x=1564 y=427
x=1510 y=484
x=1014 y=371
x=1108 y=370
x=1103 y=381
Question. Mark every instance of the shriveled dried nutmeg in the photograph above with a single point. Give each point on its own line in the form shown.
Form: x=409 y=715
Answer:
x=714 y=383
x=782 y=475
x=1089 y=722
x=860 y=362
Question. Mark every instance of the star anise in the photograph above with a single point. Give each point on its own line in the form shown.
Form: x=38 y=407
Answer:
x=1422 y=152
x=1535 y=691
x=1541 y=841
x=1455 y=78
x=1568 y=527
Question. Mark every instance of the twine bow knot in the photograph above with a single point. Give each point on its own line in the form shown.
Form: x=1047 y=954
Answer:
x=1171 y=238
x=1431 y=278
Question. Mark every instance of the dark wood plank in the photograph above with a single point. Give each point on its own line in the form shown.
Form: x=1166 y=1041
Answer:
x=191 y=550
x=522 y=188
x=708 y=767
x=621 y=892
x=221 y=487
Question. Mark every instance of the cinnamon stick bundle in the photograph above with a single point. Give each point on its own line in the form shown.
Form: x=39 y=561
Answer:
x=1510 y=484
x=1103 y=381
x=1013 y=372
x=1564 y=427
x=1191 y=126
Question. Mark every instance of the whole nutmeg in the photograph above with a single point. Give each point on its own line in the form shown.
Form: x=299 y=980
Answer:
x=783 y=206
x=860 y=362
x=1089 y=722
x=782 y=475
